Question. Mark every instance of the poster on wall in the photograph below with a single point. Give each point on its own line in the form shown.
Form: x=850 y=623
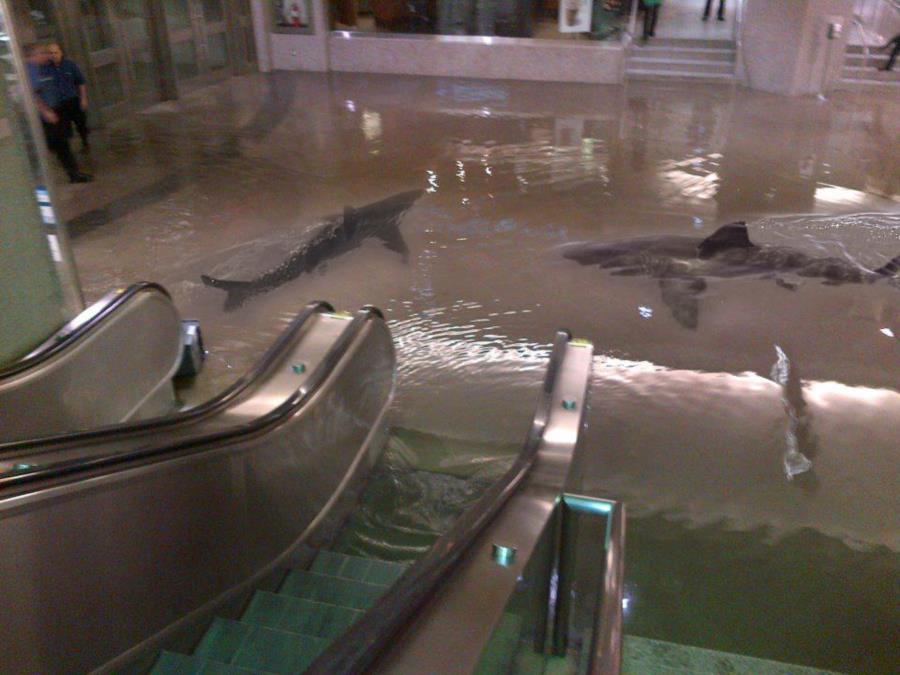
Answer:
x=575 y=16
x=292 y=16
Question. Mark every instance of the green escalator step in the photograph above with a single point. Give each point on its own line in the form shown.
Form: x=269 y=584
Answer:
x=275 y=651
x=331 y=590
x=258 y=648
x=222 y=640
x=298 y=615
x=170 y=663
x=369 y=570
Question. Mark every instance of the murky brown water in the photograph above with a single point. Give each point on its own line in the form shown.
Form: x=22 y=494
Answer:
x=685 y=424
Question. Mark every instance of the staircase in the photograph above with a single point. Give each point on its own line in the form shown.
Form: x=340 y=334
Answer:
x=858 y=70
x=284 y=632
x=664 y=58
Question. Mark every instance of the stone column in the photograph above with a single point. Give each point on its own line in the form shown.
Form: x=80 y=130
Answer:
x=787 y=47
x=261 y=29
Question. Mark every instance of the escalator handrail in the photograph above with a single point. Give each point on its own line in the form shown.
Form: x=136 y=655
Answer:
x=360 y=646
x=213 y=405
x=151 y=454
x=80 y=326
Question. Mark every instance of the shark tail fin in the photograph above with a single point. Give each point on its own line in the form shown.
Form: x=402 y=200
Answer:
x=889 y=270
x=238 y=291
x=733 y=235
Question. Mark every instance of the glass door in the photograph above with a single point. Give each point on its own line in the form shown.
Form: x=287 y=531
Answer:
x=182 y=40
x=134 y=28
x=244 y=37
x=107 y=74
x=198 y=39
x=214 y=30
x=123 y=70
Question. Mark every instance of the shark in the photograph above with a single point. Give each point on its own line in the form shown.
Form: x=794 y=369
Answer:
x=682 y=264
x=338 y=235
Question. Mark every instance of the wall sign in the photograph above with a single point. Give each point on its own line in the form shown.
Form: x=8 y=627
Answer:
x=575 y=16
x=292 y=16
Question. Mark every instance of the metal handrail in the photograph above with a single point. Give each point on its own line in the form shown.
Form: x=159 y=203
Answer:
x=360 y=646
x=265 y=422
x=213 y=405
x=606 y=639
x=79 y=327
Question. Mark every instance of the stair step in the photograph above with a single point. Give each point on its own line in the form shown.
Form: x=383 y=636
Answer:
x=259 y=648
x=330 y=590
x=860 y=59
x=869 y=75
x=640 y=73
x=668 y=54
x=369 y=570
x=170 y=663
x=690 y=43
x=298 y=615
x=680 y=65
x=892 y=84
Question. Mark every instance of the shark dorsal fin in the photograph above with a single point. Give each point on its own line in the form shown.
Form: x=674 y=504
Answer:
x=892 y=268
x=730 y=236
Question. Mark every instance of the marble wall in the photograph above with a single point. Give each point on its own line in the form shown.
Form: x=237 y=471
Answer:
x=493 y=58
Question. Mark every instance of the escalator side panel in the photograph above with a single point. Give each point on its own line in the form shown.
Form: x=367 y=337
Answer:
x=127 y=362
x=478 y=590
x=108 y=564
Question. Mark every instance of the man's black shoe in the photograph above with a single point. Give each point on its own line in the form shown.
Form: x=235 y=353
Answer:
x=81 y=178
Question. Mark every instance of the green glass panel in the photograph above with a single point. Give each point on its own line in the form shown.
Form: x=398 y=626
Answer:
x=96 y=25
x=184 y=56
x=217 y=51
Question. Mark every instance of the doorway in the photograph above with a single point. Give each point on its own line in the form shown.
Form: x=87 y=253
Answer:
x=198 y=41
x=123 y=68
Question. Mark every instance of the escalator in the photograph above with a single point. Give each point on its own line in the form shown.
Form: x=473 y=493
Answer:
x=125 y=349
x=285 y=631
x=337 y=612
x=225 y=538
x=117 y=536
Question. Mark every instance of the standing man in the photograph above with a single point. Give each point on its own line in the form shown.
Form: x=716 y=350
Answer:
x=895 y=50
x=72 y=91
x=651 y=14
x=720 y=16
x=47 y=100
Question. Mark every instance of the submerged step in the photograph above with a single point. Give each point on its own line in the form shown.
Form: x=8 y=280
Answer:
x=298 y=615
x=170 y=663
x=331 y=590
x=369 y=570
x=258 y=648
x=643 y=656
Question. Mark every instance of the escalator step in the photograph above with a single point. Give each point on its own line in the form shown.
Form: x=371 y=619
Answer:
x=331 y=590
x=258 y=648
x=170 y=663
x=369 y=570
x=298 y=615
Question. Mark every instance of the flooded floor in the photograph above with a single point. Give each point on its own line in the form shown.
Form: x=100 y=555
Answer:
x=686 y=423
